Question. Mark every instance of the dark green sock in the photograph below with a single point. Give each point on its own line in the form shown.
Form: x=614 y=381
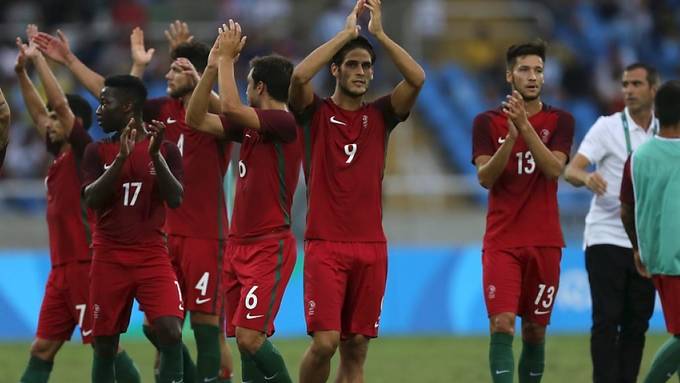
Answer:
x=126 y=371
x=188 y=365
x=501 y=360
x=103 y=369
x=37 y=371
x=531 y=362
x=171 y=369
x=270 y=362
x=249 y=371
x=151 y=336
x=208 y=347
x=665 y=362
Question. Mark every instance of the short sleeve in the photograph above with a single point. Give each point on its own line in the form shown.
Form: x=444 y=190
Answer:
x=232 y=132
x=152 y=109
x=594 y=145
x=482 y=141
x=92 y=167
x=79 y=139
x=384 y=105
x=563 y=138
x=277 y=125
x=174 y=160
x=627 y=195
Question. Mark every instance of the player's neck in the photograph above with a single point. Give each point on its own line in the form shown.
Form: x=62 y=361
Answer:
x=345 y=101
x=185 y=99
x=534 y=106
x=270 y=103
x=670 y=131
x=64 y=147
x=642 y=117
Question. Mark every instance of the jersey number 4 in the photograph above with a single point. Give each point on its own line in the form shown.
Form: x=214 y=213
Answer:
x=525 y=162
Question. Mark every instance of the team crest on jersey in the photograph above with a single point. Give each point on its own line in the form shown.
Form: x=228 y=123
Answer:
x=152 y=169
x=364 y=121
x=545 y=135
x=97 y=311
x=311 y=307
x=492 y=292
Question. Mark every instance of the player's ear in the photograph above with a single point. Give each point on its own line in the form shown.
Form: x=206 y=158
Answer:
x=335 y=69
x=260 y=88
x=508 y=76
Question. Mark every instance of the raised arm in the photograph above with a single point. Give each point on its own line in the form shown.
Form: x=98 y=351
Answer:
x=141 y=57
x=551 y=162
x=58 y=49
x=405 y=93
x=177 y=33
x=197 y=115
x=168 y=177
x=301 y=93
x=34 y=104
x=4 y=122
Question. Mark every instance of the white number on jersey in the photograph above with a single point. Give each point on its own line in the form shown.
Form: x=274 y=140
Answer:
x=549 y=295
x=202 y=284
x=251 y=298
x=179 y=293
x=180 y=144
x=350 y=150
x=525 y=163
x=241 y=168
x=81 y=314
x=126 y=198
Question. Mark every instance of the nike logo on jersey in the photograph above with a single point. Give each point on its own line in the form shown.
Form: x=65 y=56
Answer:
x=200 y=301
x=206 y=380
x=271 y=377
x=250 y=316
x=539 y=312
x=499 y=372
x=107 y=166
x=247 y=135
x=535 y=373
x=170 y=120
x=501 y=140
x=336 y=121
x=86 y=333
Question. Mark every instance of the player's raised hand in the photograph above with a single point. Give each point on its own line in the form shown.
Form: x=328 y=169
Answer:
x=31 y=32
x=56 y=48
x=512 y=131
x=231 y=40
x=514 y=108
x=178 y=33
x=156 y=130
x=128 y=139
x=351 y=23
x=26 y=52
x=596 y=183
x=213 y=56
x=375 y=23
x=187 y=68
x=140 y=55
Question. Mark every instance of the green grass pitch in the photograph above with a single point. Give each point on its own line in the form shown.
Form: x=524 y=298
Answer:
x=391 y=359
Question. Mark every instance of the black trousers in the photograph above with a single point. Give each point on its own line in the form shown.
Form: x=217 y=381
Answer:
x=623 y=303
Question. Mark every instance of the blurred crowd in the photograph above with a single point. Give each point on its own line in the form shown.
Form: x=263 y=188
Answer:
x=591 y=41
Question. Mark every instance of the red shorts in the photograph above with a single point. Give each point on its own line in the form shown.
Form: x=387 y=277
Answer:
x=255 y=276
x=523 y=281
x=65 y=303
x=198 y=265
x=344 y=285
x=668 y=288
x=121 y=275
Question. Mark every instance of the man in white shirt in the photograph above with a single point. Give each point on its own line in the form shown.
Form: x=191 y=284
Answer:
x=623 y=301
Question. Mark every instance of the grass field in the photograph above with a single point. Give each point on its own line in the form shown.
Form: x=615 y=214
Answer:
x=426 y=360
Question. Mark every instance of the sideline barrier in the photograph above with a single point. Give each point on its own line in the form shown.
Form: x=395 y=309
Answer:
x=430 y=290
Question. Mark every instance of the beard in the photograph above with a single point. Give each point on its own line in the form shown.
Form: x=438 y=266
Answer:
x=526 y=97
x=348 y=92
x=180 y=92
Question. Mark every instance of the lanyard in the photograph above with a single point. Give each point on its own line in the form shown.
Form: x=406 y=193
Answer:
x=626 y=131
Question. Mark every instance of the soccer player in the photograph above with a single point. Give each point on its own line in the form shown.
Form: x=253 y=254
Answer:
x=4 y=127
x=623 y=301
x=262 y=250
x=65 y=303
x=344 y=144
x=197 y=230
x=650 y=211
x=128 y=181
x=520 y=151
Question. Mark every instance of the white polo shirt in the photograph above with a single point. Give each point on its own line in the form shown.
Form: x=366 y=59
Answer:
x=605 y=146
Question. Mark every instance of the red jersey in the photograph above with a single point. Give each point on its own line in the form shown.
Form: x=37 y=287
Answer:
x=522 y=208
x=627 y=194
x=67 y=218
x=136 y=213
x=344 y=161
x=269 y=167
x=203 y=213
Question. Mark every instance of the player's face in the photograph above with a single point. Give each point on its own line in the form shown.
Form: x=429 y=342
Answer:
x=355 y=73
x=111 y=114
x=55 y=130
x=527 y=76
x=179 y=83
x=252 y=92
x=637 y=93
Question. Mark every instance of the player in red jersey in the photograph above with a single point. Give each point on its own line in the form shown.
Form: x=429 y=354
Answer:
x=520 y=150
x=262 y=250
x=344 y=142
x=4 y=127
x=65 y=303
x=128 y=181
x=198 y=229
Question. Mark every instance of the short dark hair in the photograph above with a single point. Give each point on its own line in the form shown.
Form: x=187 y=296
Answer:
x=536 y=47
x=653 y=78
x=667 y=103
x=274 y=71
x=358 y=42
x=131 y=86
x=194 y=51
x=80 y=108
